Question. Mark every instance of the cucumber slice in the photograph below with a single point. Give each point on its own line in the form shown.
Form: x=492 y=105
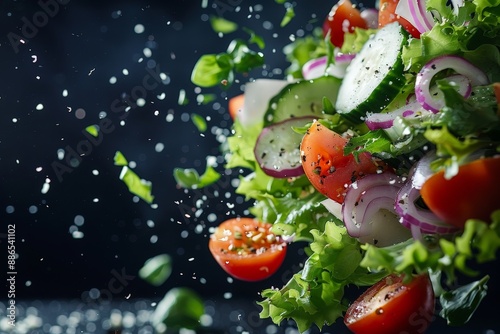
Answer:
x=302 y=98
x=375 y=76
x=258 y=93
x=277 y=150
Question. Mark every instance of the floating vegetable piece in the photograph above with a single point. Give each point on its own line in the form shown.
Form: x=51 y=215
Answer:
x=189 y=177
x=369 y=213
x=393 y=306
x=134 y=183
x=278 y=148
x=93 y=130
x=156 y=270
x=222 y=25
x=447 y=199
x=344 y=17
x=427 y=73
x=460 y=304
x=120 y=159
x=375 y=76
x=247 y=249
x=180 y=308
x=326 y=166
x=199 y=121
x=258 y=93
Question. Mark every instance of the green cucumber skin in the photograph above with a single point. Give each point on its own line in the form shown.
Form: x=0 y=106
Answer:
x=302 y=98
x=389 y=87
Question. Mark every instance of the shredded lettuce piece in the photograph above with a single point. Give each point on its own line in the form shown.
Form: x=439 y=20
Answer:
x=472 y=33
x=157 y=269
x=222 y=25
x=219 y=69
x=189 y=178
x=478 y=243
x=302 y=50
x=240 y=146
x=136 y=185
x=314 y=296
x=354 y=41
x=119 y=159
x=468 y=118
x=199 y=121
x=93 y=130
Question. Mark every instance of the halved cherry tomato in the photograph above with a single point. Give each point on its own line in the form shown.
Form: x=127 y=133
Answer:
x=235 y=105
x=390 y=306
x=496 y=87
x=472 y=193
x=342 y=18
x=387 y=14
x=246 y=249
x=326 y=166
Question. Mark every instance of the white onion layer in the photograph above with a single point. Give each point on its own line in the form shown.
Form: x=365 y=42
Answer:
x=316 y=68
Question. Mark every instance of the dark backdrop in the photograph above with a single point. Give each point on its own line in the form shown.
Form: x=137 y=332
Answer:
x=77 y=49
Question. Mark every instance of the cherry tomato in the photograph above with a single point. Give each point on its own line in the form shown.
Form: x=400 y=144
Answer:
x=472 y=193
x=496 y=87
x=390 y=306
x=343 y=17
x=326 y=166
x=387 y=14
x=235 y=105
x=246 y=249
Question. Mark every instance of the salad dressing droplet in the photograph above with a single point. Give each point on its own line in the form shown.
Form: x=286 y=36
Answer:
x=379 y=311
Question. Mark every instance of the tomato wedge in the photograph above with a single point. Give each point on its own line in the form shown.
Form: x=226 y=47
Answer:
x=387 y=14
x=342 y=18
x=246 y=249
x=235 y=105
x=326 y=166
x=390 y=306
x=472 y=193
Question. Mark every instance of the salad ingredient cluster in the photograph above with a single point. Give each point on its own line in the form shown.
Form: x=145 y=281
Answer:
x=380 y=150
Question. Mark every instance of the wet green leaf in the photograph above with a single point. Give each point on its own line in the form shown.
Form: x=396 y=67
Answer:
x=156 y=270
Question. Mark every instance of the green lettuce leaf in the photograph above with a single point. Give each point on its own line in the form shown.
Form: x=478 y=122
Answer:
x=157 y=269
x=479 y=243
x=314 y=296
x=189 y=177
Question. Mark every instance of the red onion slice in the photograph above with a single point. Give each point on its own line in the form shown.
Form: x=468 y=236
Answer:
x=414 y=11
x=364 y=200
x=422 y=170
x=413 y=215
x=414 y=109
x=316 y=68
x=429 y=70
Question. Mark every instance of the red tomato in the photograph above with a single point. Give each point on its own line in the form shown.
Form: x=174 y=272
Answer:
x=387 y=14
x=496 y=87
x=326 y=166
x=235 y=105
x=472 y=193
x=390 y=306
x=343 y=17
x=246 y=249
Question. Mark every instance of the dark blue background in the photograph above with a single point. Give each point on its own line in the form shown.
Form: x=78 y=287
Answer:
x=80 y=48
